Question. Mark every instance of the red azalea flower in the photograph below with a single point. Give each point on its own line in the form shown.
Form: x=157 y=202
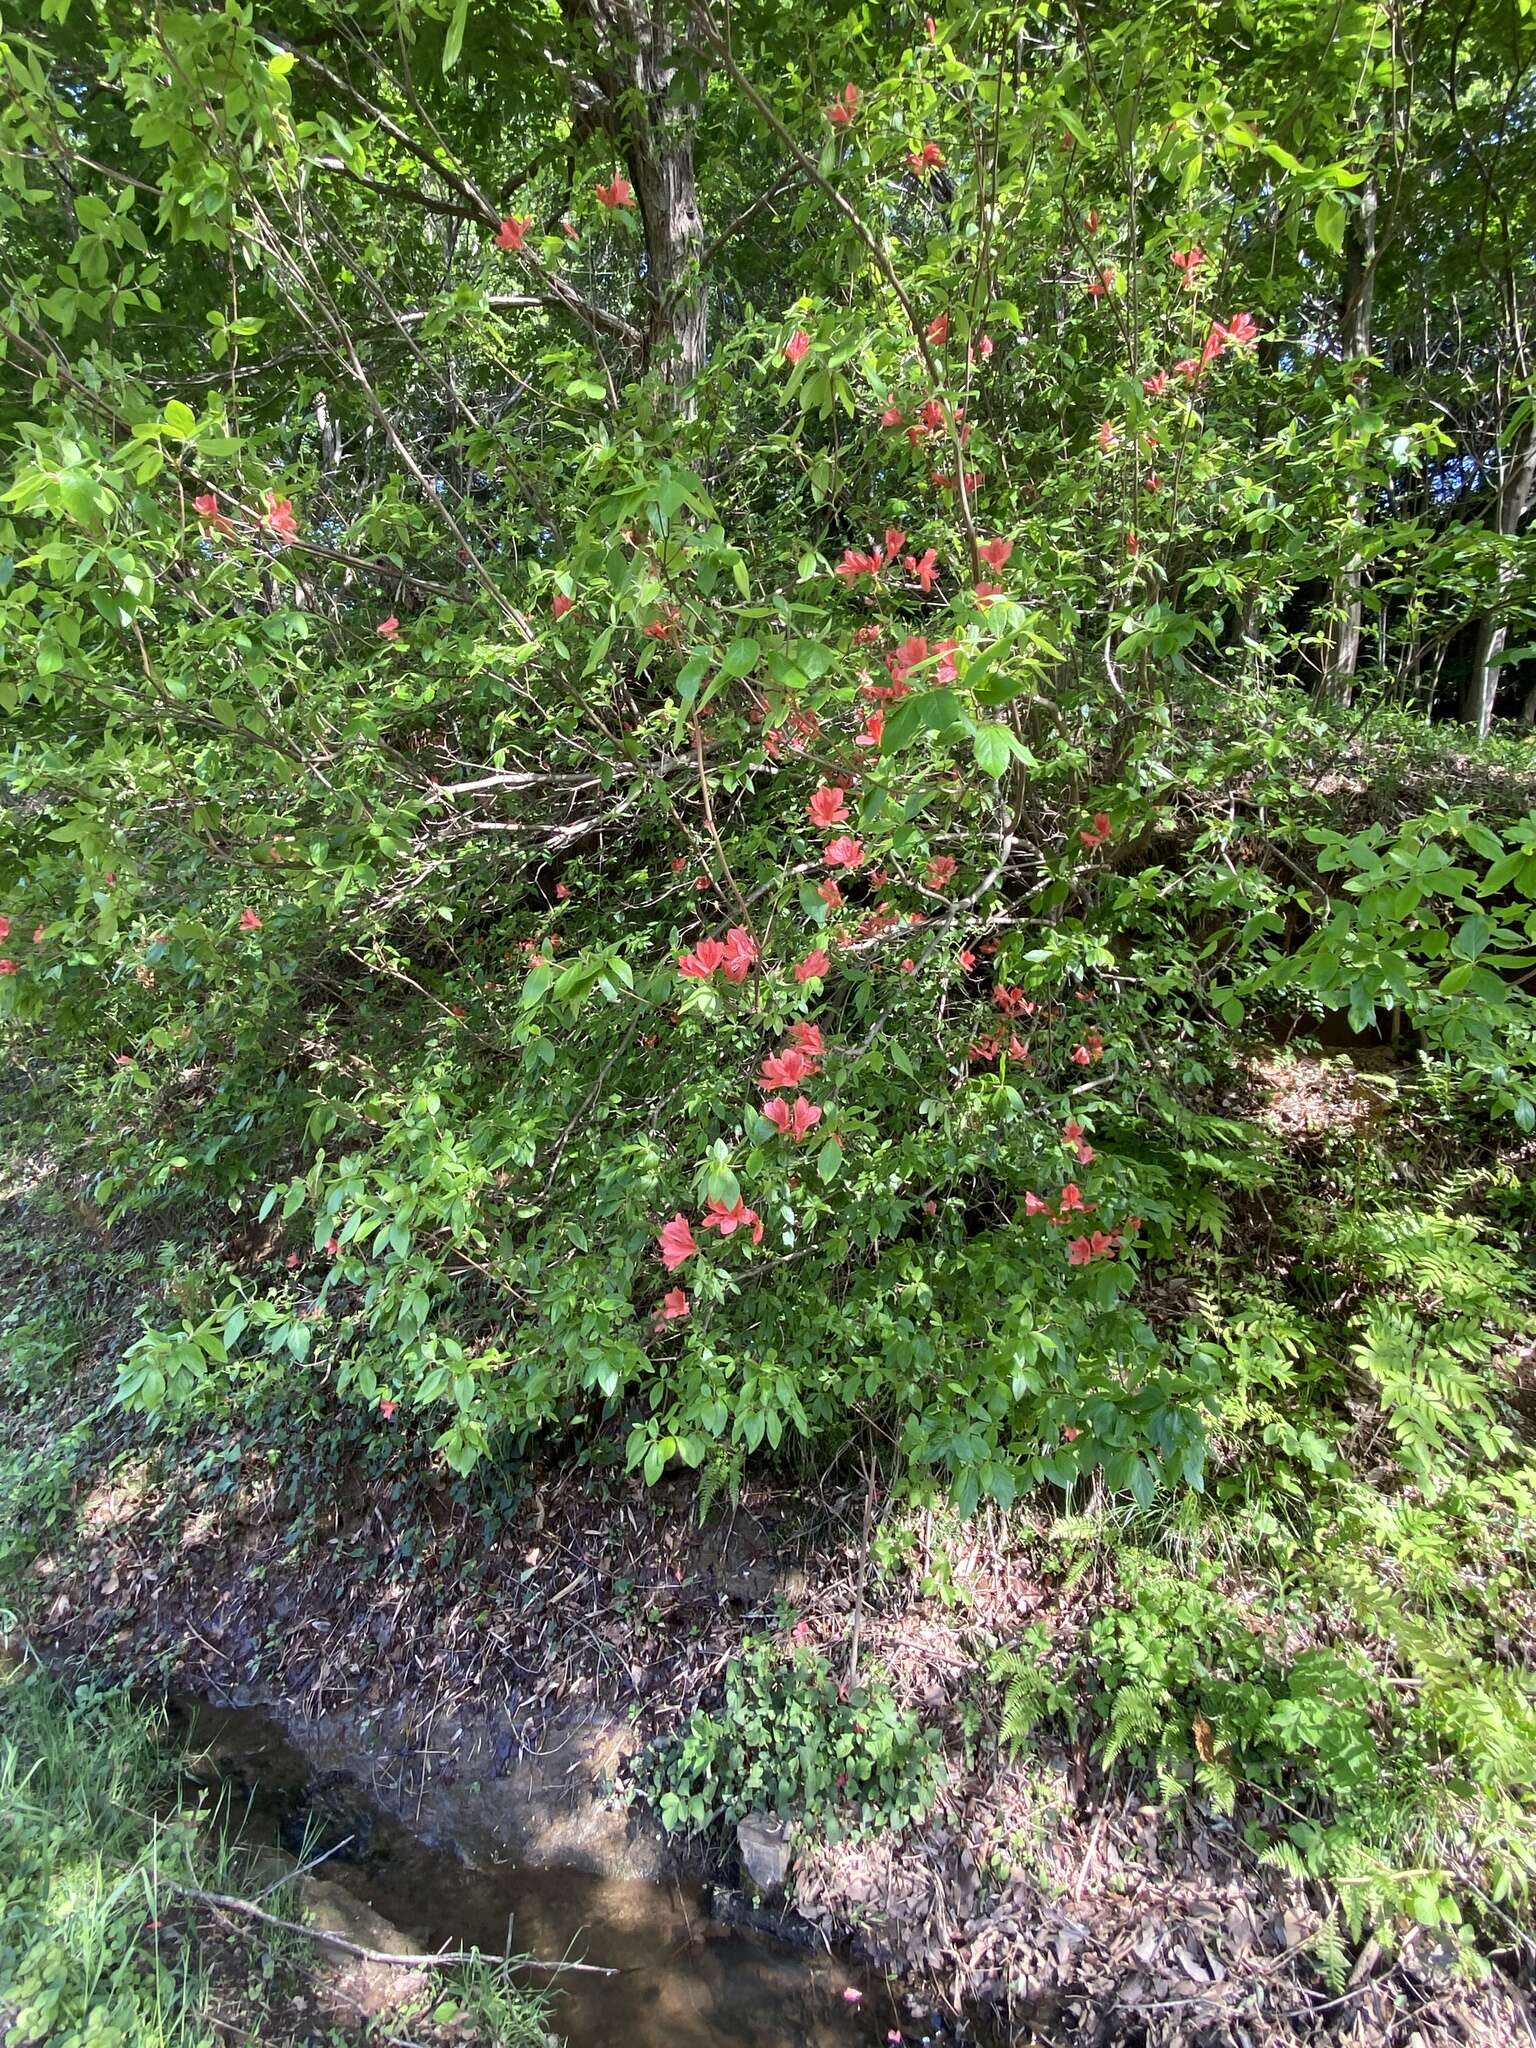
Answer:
x=1213 y=344
x=891 y=417
x=796 y=345
x=830 y=894
x=1188 y=367
x=941 y=869
x=1187 y=262
x=279 y=518
x=1242 y=329
x=700 y=964
x=674 y=1303
x=1092 y=221
x=511 y=232
x=9 y=967
x=1132 y=544
x=1106 y=435
x=1101 y=830
x=909 y=966
x=856 y=562
x=923 y=567
x=793 y=1120
x=787 y=1069
x=844 y=852
x=985 y=593
x=827 y=807
x=984 y=347
x=616 y=194
x=387 y=629
x=871 y=731
x=740 y=953
x=966 y=958
x=808 y=1037
x=676 y=1242
x=207 y=509
x=921 y=161
x=1102 y=282
x=895 y=541
x=387 y=1410
x=248 y=920
x=729 y=1221
x=816 y=964
x=560 y=604
x=995 y=553
x=938 y=330
x=1071 y=1199
x=1155 y=385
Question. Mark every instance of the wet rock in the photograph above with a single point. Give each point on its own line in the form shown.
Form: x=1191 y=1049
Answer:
x=732 y=1912
x=764 y=1846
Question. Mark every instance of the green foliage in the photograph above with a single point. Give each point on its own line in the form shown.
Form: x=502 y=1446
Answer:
x=788 y=1739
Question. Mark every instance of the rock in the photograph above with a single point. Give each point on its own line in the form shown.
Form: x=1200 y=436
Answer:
x=764 y=1846
x=347 y=1985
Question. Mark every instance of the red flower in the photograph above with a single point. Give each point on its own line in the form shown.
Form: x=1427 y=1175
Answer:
x=560 y=604
x=830 y=894
x=248 y=920
x=909 y=966
x=921 y=161
x=815 y=965
x=891 y=417
x=1102 y=282
x=807 y=1037
x=616 y=194
x=984 y=347
x=737 y=1217
x=941 y=869
x=827 y=807
x=1072 y=1199
x=332 y=1247
x=796 y=345
x=279 y=518
x=844 y=852
x=740 y=953
x=856 y=563
x=787 y=1069
x=1213 y=344
x=938 y=330
x=895 y=541
x=511 y=232
x=1082 y=1251
x=985 y=593
x=1155 y=385
x=207 y=509
x=5 y=927
x=674 y=1303
x=966 y=958
x=923 y=567
x=1072 y=1132
x=388 y=628
x=665 y=627
x=871 y=731
x=1242 y=329
x=702 y=963
x=1132 y=544
x=387 y=1410
x=932 y=415
x=1034 y=1206
x=676 y=1242
x=1187 y=262
x=9 y=967
x=1101 y=831
x=995 y=553
x=1092 y=221
x=867 y=636
x=842 y=110
x=792 y=1120
x=1106 y=435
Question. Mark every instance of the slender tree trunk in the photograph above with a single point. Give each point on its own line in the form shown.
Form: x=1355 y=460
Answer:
x=1517 y=486
x=1355 y=311
x=647 y=72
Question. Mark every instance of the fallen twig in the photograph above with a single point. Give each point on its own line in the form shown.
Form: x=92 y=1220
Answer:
x=443 y=1959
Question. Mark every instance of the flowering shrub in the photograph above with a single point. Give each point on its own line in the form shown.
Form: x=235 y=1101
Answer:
x=522 y=793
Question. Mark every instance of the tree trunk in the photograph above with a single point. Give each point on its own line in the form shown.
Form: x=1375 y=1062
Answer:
x=1355 y=310
x=648 y=76
x=1516 y=488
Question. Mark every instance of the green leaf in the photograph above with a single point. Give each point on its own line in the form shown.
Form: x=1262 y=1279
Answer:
x=994 y=748
x=453 y=42
x=1329 y=221
x=829 y=1160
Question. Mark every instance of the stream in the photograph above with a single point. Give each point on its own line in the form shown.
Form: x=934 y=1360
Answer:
x=684 y=1981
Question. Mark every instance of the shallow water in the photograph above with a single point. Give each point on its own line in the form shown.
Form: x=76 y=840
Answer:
x=683 y=1983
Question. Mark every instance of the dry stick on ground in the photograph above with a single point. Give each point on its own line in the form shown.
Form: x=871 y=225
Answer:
x=226 y=1902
